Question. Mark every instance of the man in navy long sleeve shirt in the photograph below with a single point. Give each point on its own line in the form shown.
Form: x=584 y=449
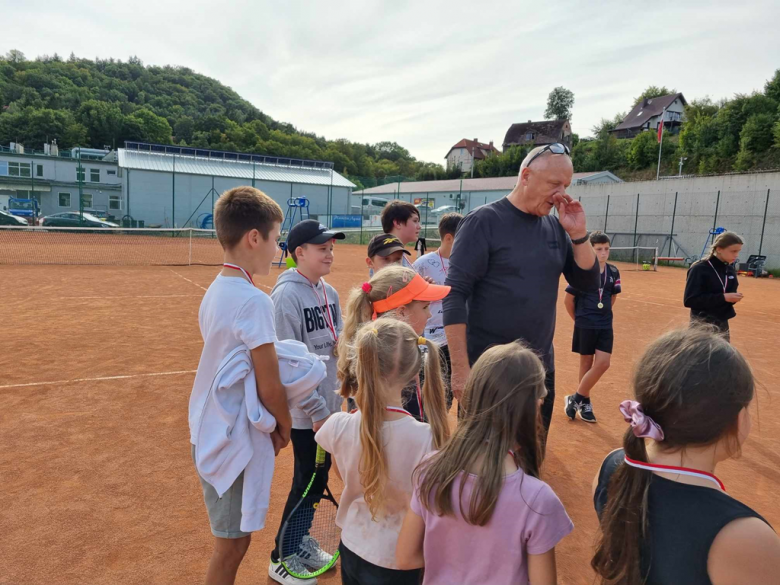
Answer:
x=506 y=265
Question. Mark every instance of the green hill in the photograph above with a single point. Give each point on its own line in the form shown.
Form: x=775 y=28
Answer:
x=105 y=102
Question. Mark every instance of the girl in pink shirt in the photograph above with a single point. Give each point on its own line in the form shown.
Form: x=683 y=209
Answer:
x=479 y=512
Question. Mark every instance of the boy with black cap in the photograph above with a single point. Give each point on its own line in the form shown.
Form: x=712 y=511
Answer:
x=385 y=250
x=306 y=308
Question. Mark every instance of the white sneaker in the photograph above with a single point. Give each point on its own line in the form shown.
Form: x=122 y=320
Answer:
x=311 y=555
x=278 y=573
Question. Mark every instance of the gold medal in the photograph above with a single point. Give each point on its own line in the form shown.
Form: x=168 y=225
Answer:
x=600 y=305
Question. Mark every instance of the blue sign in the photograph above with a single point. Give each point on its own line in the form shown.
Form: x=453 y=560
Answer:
x=347 y=221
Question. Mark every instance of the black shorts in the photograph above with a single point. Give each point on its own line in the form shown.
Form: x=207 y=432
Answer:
x=587 y=341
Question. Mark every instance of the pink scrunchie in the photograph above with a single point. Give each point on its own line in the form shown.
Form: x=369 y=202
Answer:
x=644 y=427
x=366 y=287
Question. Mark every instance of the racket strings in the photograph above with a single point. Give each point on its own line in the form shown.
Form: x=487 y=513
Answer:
x=315 y=518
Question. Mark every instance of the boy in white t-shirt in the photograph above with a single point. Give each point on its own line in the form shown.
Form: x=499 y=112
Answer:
x=434 y=267
x=234 y=313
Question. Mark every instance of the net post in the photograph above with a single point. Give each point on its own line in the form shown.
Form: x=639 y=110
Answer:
x=190 y=261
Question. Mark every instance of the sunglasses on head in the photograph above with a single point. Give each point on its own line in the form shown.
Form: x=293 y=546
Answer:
x=556 y=148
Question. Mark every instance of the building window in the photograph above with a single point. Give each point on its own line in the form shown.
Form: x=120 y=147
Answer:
x=80 y=174
x=3 y=169
x=21 y=194
x=38 y=170
x=115 y=202
x=529 y=135
x=109 y=172
x=86 y=200
x=94 y=175
x=64 y=199
x=17 y=169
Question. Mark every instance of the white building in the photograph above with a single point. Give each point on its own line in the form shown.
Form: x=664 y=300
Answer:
x=460 y=194
x=466 y=152
x=163 y=185
x=52 y=178
x=172 y=186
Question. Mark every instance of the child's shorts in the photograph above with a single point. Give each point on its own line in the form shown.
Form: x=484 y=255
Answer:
x=587 y=341
x=225 y=512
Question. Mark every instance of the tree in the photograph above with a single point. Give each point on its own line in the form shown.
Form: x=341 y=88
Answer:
x=653 y=91
x=104 y=122
x=606 y=125
x=559 y=104
x=146 y=126
x=15 y=56
x=772 y=87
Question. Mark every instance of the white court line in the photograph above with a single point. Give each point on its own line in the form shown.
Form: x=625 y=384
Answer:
x=134 y=297
x=187 y=279
x=153 y=374
x=200 y=287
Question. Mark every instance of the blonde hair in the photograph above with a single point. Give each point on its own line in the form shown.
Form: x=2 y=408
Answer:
x=360 y=310
x=501 y=412
x=386 y=352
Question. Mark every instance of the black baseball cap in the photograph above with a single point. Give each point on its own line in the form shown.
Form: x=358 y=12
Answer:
x=383 y=245
x=310 y=231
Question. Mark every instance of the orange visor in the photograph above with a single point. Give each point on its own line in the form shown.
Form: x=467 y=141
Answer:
x=417 y=290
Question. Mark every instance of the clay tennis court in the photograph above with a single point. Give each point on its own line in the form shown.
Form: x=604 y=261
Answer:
x=97 y=365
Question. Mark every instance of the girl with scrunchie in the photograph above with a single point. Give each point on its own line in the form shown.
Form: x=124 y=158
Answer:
x=665 y=517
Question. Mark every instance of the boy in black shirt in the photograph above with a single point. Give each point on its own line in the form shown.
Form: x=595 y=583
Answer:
x=592 y=315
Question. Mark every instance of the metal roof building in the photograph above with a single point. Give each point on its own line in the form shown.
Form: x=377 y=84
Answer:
x=464 y=193
x=177 y=186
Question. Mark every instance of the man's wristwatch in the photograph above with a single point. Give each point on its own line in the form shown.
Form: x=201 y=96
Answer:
x=581 y=240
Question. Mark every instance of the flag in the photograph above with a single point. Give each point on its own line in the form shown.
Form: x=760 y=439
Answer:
x=661 y=126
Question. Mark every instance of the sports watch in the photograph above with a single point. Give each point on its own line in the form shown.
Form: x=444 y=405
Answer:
x=581 y=240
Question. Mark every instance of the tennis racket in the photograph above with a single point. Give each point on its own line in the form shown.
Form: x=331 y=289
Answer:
x=309 y=536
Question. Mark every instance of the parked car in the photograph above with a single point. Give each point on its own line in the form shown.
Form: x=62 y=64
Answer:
x=444 y=209
x=10 y=219
x=75 y=219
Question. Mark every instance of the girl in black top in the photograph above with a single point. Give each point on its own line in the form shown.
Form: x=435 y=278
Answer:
x=711 y=285
x=665 y=517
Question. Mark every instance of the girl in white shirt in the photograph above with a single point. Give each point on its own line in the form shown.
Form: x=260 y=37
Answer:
x=376 y=449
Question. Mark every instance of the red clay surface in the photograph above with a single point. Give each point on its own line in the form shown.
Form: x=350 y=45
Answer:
x=96 y=475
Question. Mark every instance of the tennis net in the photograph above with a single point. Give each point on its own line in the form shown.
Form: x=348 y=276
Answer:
x=109 y=246
x=638 y=257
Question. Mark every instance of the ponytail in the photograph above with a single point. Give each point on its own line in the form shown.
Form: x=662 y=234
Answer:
x=624 y=519
x=373 y=466
x=358 y=311
x=433 y=397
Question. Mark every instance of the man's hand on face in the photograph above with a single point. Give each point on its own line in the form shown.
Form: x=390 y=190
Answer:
x=571 y=215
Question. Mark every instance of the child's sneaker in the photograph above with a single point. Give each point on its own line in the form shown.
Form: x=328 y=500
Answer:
x=570 y=406
x=311 y=555
x=585 y=411
x=278 y=573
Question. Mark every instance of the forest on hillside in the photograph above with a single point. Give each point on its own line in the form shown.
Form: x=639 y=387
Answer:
x=81 y=102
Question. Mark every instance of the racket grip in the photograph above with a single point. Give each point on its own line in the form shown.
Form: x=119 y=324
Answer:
x=320 y=458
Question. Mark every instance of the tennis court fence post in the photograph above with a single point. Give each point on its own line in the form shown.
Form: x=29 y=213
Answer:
x=715 y=220
x=606 y=215
x=636 y=223
x=763 y=224
x=671 y=231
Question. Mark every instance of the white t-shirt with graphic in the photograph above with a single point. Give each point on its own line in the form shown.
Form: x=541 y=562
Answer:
x=434 y=266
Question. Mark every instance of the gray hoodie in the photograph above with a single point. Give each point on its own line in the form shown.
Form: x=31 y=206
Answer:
x=299 y=313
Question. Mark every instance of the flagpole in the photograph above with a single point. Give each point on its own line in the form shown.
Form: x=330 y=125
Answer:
x=660 y=144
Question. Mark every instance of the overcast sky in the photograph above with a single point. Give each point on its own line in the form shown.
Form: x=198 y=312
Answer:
x=422 y=73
